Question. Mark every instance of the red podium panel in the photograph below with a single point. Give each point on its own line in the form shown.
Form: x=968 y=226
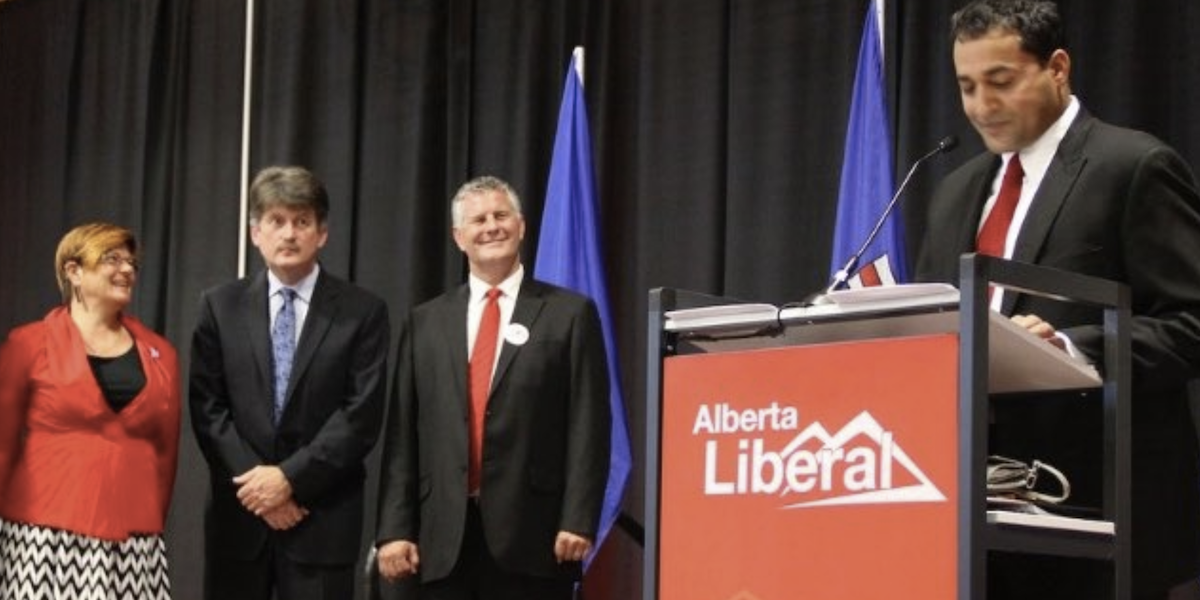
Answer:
x=821 y=472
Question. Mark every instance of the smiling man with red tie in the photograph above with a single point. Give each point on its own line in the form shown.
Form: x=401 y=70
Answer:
x=497 y=438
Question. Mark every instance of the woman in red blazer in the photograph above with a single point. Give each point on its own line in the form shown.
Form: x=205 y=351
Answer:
x=89 y=435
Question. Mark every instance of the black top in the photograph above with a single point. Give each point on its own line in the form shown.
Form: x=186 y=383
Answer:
x=121 y=378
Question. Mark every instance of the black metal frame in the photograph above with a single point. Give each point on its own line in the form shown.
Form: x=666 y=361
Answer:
x=659 y=344
x=976 y=535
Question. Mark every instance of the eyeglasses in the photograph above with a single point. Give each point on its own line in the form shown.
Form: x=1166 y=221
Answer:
x=115 y=261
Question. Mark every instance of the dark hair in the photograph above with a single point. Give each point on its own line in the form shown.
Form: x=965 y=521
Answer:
x=1036 y=21
x=292 y=187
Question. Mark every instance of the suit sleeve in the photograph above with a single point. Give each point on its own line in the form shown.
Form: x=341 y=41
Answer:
x=209 y=402
x=589 y=427
x=398 y=513
x=1161 y=239
x=347 y=436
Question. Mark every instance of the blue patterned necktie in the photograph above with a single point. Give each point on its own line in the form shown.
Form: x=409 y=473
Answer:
x=283 y=345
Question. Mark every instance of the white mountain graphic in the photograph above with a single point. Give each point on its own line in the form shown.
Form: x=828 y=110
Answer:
x=865 y=425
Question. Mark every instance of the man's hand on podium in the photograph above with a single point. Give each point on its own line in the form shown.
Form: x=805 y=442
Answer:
x=1035 y=325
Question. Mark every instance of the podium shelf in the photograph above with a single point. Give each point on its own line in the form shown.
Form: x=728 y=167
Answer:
x=1051 y=521
x=1055 y=536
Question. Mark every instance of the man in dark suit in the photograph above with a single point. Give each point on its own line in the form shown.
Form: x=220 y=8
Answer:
x=288 y=378
x=1095 y=199
x=495 y=495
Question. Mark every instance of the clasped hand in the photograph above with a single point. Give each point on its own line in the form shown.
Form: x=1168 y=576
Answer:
x=266 y=492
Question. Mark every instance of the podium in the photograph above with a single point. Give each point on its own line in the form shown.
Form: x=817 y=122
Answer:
x=839 y=450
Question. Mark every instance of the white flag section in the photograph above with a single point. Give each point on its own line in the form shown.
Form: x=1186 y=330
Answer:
x=877 y=272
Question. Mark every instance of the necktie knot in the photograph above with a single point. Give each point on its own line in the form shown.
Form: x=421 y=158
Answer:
x=1015 y=171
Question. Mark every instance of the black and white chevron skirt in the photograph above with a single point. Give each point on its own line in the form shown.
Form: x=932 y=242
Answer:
x=42 y=563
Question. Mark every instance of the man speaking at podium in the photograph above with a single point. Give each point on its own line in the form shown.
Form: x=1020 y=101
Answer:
x=1060 y=188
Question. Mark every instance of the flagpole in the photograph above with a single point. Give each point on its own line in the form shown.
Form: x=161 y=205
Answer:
x=880 y=18
x=577 y=54
x=244 y=177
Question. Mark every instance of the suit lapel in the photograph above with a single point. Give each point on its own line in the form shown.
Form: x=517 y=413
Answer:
x=530 y=301
x=255 y=311
x=1050 y=196
x=978 y=189
x=954 y=220
x=325 y=304
x=453 y=320
x=1060 y=177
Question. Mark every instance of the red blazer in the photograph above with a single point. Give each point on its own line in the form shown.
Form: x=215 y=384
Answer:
x=66 y=459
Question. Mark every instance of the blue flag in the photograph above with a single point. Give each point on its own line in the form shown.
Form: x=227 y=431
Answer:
x=568 y=254
x=867 y=180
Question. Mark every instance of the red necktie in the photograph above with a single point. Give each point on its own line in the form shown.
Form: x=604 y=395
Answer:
x=483 y=356
x=992 y=235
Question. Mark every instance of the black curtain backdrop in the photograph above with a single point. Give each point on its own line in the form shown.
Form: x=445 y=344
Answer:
x=717 y=128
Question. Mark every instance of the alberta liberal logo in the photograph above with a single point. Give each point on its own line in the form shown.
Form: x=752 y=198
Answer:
x=859 y=464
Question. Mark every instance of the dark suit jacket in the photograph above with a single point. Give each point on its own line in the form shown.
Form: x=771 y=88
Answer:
x=546 y=433
x=1121 y=205
x=331 y=420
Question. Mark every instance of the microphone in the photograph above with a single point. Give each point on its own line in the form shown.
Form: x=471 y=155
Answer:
x=840 y=278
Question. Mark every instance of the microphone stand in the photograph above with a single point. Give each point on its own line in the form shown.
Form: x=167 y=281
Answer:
x=843 y=275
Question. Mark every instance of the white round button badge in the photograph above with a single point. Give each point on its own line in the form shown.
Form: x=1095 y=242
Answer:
x=516 y=334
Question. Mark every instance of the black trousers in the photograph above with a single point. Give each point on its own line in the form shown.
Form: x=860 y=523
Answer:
x=271 y=575
x=477 y=576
